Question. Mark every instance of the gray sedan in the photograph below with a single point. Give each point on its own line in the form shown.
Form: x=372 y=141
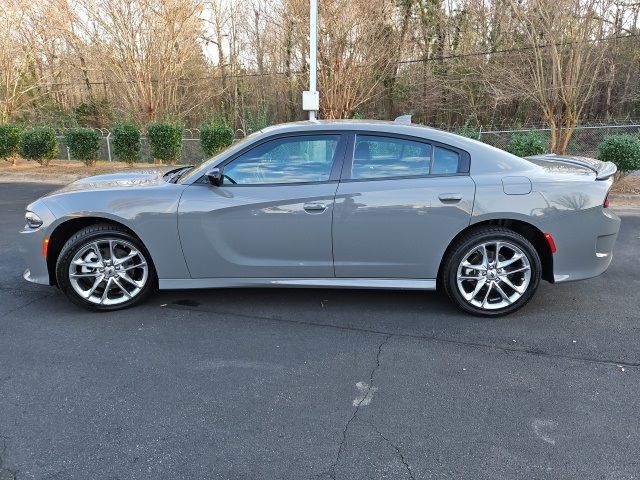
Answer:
x=332 y=204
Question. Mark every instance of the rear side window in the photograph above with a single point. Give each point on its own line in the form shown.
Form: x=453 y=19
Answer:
x=380 y=157
x=445 y=161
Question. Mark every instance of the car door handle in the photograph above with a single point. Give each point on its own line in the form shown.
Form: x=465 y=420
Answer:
x=314 y=207
x=450 y=197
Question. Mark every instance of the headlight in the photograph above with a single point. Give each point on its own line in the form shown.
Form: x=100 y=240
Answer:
x=33 y=220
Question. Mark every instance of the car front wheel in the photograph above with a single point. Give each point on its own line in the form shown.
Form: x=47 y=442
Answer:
x=492 y=272
x=103 y=267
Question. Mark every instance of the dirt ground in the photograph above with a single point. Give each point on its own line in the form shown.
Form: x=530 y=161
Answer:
x=629 y=185
x=59 y=171
x=66 y=167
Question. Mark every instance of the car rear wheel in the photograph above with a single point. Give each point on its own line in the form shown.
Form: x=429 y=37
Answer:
x=491 y=272
x=103 y=267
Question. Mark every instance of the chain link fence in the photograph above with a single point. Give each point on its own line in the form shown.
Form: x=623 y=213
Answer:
x=584 y=142
x=191 y=154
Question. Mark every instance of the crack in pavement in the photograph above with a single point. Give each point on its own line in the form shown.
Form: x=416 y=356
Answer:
x=396 y=448
x=12 y=473
x=432 y=338
x=332 y=470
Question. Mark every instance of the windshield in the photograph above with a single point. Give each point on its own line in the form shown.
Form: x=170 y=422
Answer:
x=194 y=173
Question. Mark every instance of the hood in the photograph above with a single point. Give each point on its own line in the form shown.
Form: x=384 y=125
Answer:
x=124 y=179
x=574 y=165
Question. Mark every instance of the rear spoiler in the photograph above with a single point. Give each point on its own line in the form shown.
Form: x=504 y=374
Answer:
x=607 y=170
x=603 y=170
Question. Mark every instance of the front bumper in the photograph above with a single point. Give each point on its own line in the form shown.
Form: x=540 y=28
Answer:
x=585 y=241
x=31 y=250
x=31 y=243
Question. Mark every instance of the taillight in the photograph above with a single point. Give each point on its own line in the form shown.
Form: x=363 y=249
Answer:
x=605 y=204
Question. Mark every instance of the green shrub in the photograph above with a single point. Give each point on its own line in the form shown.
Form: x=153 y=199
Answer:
x=166 y=141
x=215 y=137
x=10 y=136
x=39 y=144
x=528 y=143
x=83 y=144
x=126 y=141
x=469 y=132
x=623 y=150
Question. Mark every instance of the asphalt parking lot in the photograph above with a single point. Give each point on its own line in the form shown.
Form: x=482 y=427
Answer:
x=297 y=384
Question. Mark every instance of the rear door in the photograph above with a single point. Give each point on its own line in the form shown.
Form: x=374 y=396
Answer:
x=399 y=203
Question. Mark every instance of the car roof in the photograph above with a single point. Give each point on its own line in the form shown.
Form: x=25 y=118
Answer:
x=354 y=124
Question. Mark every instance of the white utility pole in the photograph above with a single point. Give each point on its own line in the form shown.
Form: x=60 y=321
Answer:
x=310 y=98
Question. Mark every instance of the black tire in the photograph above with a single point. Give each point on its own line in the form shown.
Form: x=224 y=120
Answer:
x=465 y=244
x=91 y=234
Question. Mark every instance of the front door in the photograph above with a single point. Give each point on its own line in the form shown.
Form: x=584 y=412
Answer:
x=271 y=217
x=398 y=206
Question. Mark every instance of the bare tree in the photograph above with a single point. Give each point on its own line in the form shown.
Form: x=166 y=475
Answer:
x=354 y=54
x=25 y=66
x=560 y=68
x=148 y=48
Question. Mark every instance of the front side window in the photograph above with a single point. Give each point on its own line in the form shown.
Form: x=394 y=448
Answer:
x=380 y=157
x=296 y=159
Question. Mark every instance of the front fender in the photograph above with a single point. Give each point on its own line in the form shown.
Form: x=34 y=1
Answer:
x=151 y=214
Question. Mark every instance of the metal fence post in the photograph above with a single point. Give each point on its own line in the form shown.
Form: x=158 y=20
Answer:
x=108 y=146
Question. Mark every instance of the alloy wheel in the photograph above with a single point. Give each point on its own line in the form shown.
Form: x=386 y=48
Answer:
x=108 y=271
x=493 y=275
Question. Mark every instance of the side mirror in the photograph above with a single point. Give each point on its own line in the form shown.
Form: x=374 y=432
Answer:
x=214 y=176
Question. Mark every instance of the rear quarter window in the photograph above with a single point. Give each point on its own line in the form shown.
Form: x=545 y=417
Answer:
x=445 y=161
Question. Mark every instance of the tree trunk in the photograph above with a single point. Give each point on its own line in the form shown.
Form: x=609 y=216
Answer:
x=390 y=104
x=291 y=105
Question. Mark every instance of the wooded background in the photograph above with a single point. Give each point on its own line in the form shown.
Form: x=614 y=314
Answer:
x=451 y=63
